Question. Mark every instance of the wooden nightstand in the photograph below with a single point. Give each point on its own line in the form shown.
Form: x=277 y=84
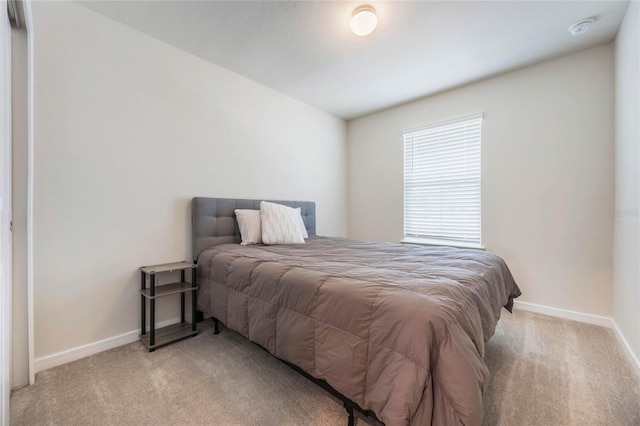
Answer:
x=165 y=335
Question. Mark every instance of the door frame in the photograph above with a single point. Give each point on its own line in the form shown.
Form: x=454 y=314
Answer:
x=5 y=217
x=28 y=18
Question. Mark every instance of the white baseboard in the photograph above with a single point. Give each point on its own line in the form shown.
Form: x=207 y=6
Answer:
x=586 y=318
x=626 y=347
x=79 y=352
x=20 y=385
x=564 y=313
x=54 y=360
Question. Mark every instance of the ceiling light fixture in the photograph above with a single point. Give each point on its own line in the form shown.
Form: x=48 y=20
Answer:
x=581 y=27
x=364 y=20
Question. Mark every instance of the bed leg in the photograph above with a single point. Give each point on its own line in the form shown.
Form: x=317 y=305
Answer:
x=352 y=420
x=216 y=328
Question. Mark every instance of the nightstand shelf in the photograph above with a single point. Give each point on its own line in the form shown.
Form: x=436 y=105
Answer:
x=167 y=289
x=168 y=334
x=165 y=335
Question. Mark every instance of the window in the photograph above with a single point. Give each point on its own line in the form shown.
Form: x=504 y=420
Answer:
x=442 y=183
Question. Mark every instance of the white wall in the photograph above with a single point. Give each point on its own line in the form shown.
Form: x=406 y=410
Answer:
x=626 y=253
x=127 y=130
x=547 y=174
x=20 y=349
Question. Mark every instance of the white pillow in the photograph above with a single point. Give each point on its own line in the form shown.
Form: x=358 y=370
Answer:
x=250 y=227
x=281 y=224
x=305 y=234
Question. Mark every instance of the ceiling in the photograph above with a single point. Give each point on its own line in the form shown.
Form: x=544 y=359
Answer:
x=306 y=50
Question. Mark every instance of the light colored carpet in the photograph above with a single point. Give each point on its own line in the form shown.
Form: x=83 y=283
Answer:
x=544 y=371
x=549 y=371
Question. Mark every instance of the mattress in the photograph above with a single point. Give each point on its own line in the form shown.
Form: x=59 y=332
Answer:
x=399 y=329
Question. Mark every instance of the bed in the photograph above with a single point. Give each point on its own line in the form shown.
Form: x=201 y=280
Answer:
x=398 y=330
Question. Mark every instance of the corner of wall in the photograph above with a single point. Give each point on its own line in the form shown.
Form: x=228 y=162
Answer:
x=626 y=250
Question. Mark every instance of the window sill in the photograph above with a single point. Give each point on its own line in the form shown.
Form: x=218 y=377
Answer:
x=435 y=242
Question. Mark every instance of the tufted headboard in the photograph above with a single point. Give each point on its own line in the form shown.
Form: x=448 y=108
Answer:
x=214 y=222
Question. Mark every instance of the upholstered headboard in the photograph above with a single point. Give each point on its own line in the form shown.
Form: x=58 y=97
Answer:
x=213 y=221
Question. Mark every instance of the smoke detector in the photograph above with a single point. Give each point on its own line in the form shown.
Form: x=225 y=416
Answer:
x=581 y=27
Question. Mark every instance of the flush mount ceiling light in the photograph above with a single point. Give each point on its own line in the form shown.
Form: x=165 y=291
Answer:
x=581 y=27
x=364 y=20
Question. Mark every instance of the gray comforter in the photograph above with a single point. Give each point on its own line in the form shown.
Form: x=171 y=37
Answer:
x=399 y=329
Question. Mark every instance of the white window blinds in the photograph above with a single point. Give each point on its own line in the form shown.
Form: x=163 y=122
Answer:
x=442 y=181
